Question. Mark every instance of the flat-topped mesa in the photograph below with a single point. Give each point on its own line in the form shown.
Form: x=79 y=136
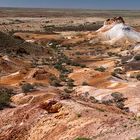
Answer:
x=115 y=30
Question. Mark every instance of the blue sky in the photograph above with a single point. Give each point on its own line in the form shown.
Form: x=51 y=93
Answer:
x=91 y=4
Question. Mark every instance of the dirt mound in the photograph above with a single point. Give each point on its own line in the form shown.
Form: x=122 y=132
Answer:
x=34 y=122
x=17 y=46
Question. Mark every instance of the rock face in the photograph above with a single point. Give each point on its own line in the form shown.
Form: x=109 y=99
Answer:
x=116 y=31
x=75 y=88
x=120 y=32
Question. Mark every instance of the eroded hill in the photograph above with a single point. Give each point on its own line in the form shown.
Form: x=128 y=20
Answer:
x=64 y=86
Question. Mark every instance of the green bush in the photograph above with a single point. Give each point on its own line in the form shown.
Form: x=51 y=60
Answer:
x=63 y=77
x=58 y=66
x=101 y=69
x=137 y=57
x=78 y=53
x=85 y=84
x=138 y=77
x=5 y=95
x=55 y=83
x=70 y=84
x=79 y=115
x=117 y=96
x=83 y=65
x=137 y=138
x=64 y=96
x=118 y=71
x=114 y=74
x=74 y=64
x=93 y=99
x=67 y=90
x=27 y=87
x=112 y=54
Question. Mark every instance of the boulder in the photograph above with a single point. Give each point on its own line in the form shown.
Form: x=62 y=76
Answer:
x=52 y=106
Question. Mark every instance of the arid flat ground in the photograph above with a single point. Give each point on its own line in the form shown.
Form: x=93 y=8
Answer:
x=56 y=85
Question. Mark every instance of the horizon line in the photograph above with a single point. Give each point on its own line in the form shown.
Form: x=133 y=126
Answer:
x=69 y=8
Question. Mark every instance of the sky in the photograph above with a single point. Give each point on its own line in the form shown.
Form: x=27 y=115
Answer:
x=87 y=4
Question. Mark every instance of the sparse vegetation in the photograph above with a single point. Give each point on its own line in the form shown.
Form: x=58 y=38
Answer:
x=138 y=77
x=65 y=95
x=56 y=83
x=117 y=96
x=70 y=84
x=27 y=87
x=101 y=69
x=81 y=27
x=93 y=100
x=111 y=54
x=78 y=53
x=85 y=84
x=137 y=57
x=68 y=90
x=138 y=138
x=79 y=115
x=118 y=99
x=34 y=52
x=82 y=138
x=5 y=95
x=118 y=71
x=82 y=65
